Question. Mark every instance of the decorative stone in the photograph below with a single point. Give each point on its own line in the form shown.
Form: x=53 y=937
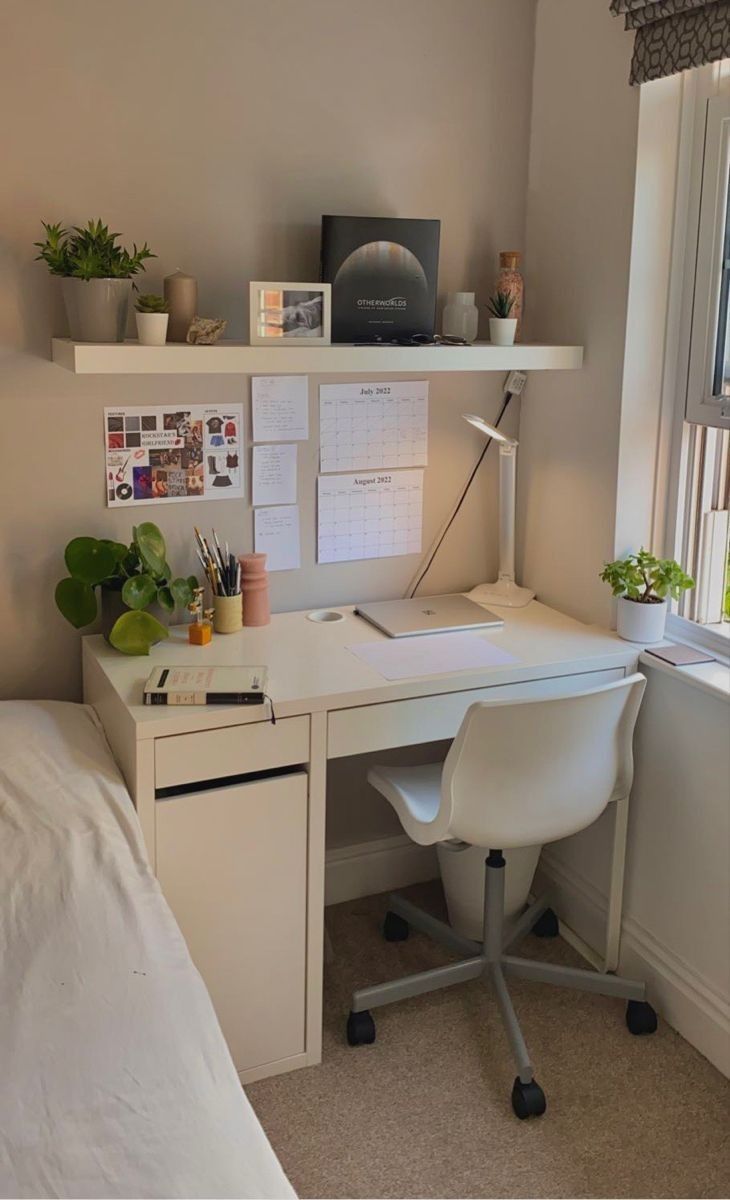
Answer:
x=205 y=331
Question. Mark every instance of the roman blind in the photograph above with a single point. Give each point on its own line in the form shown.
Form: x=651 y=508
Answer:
x=674 y=35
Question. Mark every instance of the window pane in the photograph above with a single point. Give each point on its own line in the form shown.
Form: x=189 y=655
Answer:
x=721 y=374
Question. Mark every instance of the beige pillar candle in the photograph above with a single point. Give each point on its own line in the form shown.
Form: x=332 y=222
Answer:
x=181 y=293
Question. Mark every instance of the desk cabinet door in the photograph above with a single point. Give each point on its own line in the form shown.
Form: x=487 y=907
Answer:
x=232 y=863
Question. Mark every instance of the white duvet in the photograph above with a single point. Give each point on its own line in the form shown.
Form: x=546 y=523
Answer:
x=114 y=1076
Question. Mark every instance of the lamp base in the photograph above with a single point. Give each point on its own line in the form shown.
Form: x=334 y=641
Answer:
x=504 y=592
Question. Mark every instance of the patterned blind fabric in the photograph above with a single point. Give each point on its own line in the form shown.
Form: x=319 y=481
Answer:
x=674 y=35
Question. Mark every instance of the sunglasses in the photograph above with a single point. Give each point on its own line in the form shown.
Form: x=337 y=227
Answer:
x=415 y=339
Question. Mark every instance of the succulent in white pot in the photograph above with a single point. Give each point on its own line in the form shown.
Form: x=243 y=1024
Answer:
x=152 y=316
x=643 y=585
x=502 y=326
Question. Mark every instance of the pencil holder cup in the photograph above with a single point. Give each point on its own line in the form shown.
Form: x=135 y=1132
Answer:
x=227 y=614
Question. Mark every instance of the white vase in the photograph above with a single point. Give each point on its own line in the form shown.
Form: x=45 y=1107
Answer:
x=461 y=316
x=636 y=622
x=152 y=328
x=502 y=330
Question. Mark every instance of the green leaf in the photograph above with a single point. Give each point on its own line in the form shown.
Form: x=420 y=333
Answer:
x=135 y=632
x=76 y=601
x=90 y=560
x=193 y=582
x=165 y=598
x=120 y=550
x=151 y=546
x=182 y=593
x=139 y=591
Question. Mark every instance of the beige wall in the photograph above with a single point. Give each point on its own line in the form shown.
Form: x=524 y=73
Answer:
x=221 y=133
x=579 y=222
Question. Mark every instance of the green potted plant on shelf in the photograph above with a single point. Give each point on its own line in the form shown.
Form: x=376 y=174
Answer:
x=643 y=585
x=97 y=277
x=152 y=315
x=132 y=579
x=502 y=327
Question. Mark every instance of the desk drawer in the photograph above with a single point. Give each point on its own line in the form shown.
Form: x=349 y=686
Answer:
x=235 y=750
x=431 y=718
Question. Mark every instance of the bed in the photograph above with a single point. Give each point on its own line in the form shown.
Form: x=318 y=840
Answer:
x=115 y=1080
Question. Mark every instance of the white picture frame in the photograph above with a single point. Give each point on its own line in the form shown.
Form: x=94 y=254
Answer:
x=272 y=310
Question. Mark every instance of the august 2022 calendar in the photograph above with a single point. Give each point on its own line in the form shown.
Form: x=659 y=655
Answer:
x=373 y=426
x=376 y=514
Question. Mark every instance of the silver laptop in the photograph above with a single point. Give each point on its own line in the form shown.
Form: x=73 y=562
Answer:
x=427 y=614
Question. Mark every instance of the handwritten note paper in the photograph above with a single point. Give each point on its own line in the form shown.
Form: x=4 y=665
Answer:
x=275 y=474
x=276 y=534
x=280 y=406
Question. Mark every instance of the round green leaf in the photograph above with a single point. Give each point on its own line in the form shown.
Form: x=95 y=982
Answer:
x=76 y=601
x=139 y=591
x=151 y=546
x=119 y=549
x=193 y=582
x=90 y=560
x=182 y=593
x=135 y=632
x=165 y=599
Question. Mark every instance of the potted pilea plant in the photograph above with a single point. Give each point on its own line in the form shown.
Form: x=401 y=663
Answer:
x=502 y=327
x=132 y=579
x=152 y=317
x=643 y=583
x=97 y=278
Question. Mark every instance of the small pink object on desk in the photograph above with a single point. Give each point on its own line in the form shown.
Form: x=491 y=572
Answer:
x=255 y=589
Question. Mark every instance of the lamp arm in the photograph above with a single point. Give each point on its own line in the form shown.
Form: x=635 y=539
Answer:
x=507 y=503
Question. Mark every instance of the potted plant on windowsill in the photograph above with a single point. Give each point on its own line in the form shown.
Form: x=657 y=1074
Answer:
x=97 y=278
x=132 y=579
x=502 y=327
x=643 y=584
x=152 y=315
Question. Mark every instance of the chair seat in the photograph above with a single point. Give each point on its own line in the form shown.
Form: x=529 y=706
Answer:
x=415 y=794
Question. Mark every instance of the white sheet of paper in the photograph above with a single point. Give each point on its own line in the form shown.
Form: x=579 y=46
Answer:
x=373 y=515
x=373 y=426
x=275 y=474
x=280 y=408
x=276 y=534
x=431 y=654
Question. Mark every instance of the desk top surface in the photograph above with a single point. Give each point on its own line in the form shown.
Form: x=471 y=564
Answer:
x=311 y=668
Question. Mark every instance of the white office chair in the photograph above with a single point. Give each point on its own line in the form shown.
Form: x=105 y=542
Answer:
x=519 y=773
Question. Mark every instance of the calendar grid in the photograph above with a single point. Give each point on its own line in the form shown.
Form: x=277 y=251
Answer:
x=373 y=426
x=369 y=515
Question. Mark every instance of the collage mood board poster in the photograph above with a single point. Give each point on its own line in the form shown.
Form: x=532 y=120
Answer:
x=162 y=454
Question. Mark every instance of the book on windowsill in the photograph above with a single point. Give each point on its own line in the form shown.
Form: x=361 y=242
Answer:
x=206 y=685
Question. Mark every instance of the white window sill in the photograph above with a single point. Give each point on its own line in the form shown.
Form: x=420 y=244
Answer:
x=713 y=677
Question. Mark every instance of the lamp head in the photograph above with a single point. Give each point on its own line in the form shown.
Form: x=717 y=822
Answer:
x=489 y=430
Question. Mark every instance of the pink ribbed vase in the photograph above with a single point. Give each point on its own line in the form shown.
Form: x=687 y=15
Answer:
x=255 y=589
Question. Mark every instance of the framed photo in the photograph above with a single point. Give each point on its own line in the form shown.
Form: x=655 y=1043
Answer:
x=290 y=313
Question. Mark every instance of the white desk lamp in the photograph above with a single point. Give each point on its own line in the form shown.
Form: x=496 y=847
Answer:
x=504 y=591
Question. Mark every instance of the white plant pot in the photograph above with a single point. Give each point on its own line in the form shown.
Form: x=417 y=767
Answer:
x=637 y=622
x=502 y=330
x=152 y=328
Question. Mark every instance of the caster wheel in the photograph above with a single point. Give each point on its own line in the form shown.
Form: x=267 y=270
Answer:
x=395 y=928
x=360 y=1029
x=546 y=926
x=528 y=1099
x=640 y=1017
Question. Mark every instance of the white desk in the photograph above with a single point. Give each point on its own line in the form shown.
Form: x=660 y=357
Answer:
x=239 y=846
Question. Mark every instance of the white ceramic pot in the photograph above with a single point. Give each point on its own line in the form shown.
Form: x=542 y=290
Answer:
x=637 y=622
x=502 y=330
x=152 y=328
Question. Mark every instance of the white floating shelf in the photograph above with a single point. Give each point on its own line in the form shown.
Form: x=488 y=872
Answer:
x=237 y=358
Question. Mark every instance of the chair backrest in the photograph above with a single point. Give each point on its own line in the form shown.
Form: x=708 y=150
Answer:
x=526 y=772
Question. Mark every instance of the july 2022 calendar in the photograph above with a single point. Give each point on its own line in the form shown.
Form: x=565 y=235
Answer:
x=371 y=515
x=373 y=426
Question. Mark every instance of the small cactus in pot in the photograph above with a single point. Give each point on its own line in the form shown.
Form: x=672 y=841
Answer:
x=152 y=317
x=502 y=326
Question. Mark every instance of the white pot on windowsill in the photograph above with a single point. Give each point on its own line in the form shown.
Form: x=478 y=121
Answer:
x=152 y=328
x=502 y=330
x=641 y=622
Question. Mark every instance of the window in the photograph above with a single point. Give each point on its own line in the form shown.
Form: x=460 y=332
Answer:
x=701 y=483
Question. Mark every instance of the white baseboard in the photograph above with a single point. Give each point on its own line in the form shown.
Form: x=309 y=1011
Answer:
x=682 y=996
x=370 y=867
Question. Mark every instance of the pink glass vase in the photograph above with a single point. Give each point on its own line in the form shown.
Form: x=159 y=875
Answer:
x=255 y=589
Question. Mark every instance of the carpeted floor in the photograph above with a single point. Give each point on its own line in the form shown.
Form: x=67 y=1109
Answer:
x=425 y=1112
